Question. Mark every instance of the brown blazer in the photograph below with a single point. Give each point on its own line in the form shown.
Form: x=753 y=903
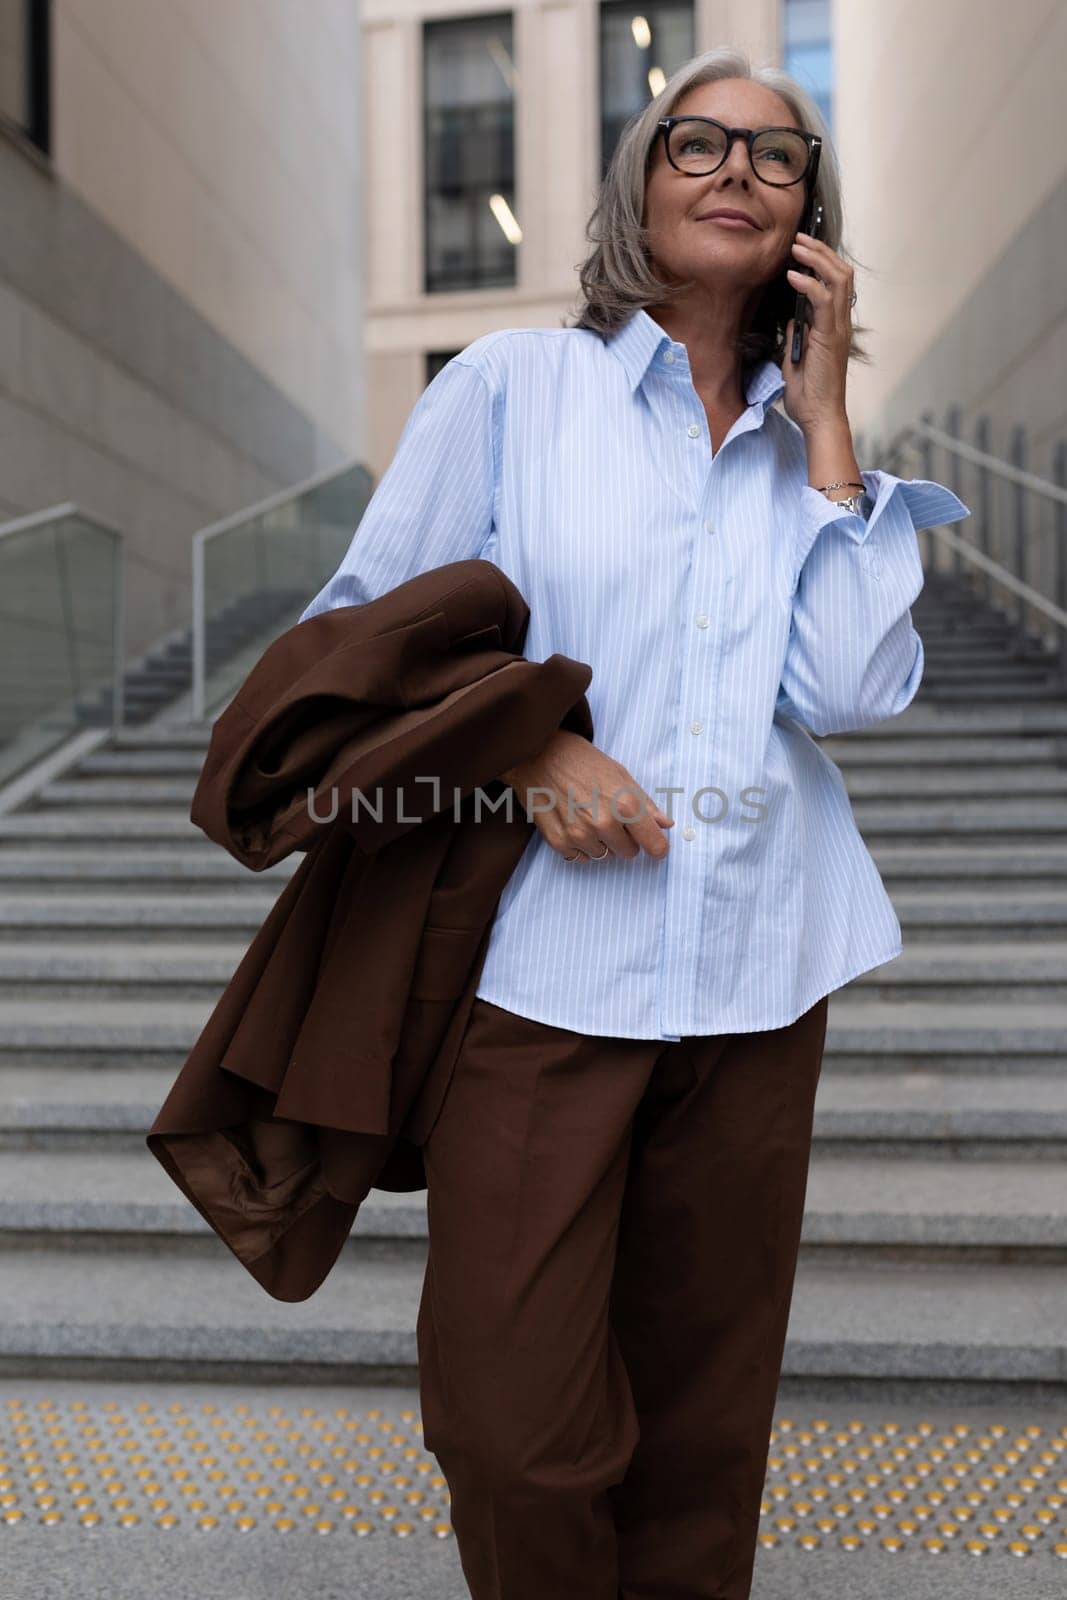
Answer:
x=322 y=1068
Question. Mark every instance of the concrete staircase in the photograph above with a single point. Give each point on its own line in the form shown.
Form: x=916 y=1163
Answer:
x=935 y=1242
x=166 y=670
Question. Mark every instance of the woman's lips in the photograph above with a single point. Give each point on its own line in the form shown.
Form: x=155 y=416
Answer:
x=730 y=222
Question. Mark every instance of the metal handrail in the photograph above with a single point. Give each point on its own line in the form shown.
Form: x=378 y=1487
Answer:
x=926 y=435
x=980 y=458
x=66 y=508
x=237 y=520
x=1002 y=575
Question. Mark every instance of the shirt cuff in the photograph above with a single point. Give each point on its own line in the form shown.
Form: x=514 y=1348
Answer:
x=929 y=505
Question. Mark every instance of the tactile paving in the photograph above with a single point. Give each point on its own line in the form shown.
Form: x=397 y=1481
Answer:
x=989 y=1490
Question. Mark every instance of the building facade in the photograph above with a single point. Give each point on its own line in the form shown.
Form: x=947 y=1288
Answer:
x=487 y=130
x=488 y=127
x=955 y=174
x=181 y=296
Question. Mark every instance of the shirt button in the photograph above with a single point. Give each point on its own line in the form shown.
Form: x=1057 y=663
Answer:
x=694 y=431
x=689 y=833
x=668 y=356
x=702 y=620
x=696 y=727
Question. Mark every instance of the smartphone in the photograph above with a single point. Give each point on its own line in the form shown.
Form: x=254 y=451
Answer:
x=812 y=224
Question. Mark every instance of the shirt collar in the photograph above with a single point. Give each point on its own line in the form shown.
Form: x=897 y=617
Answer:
x=641 y=341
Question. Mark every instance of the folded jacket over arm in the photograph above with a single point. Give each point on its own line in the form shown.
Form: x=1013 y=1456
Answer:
x=321 y=1068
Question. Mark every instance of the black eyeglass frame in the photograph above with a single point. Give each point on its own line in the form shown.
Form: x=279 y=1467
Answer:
x=749 y=135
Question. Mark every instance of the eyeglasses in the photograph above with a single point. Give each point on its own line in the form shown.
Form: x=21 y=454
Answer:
x=700 y=145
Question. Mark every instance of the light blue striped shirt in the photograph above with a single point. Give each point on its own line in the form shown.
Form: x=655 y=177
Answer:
x=721 y=603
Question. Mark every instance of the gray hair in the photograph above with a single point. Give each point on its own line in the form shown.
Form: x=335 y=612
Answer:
x=618 y=275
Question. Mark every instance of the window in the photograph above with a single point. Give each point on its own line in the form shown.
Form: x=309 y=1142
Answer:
x=24 y=76
x=469 y=153
x=436 y=359
x=639 y=49
x=807 y=53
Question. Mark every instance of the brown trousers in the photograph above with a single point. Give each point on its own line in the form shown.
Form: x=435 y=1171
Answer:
x=614 y=1227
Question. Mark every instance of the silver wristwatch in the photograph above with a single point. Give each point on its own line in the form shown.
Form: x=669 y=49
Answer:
x=857 y=505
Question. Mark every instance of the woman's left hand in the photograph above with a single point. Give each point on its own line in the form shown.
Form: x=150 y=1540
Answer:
x=815 y=386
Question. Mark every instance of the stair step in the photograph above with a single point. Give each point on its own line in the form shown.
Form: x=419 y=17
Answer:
x=966 y=751
x=142 y=1314
x=952 y=1320
x=953 y=647
x=125 y=761
x=923 y=719
x=953 y=1114
x=1015 y=972
x=128 y=1193
x=898 y=772
x=168 y=735
x=994 y=692
x=867 y=1027
x=1017 y=674
x=121 y=790
x=869 y=1035
x=993 y=821
x=184 y=914
x=115 y=967
x=852 y=1202
x=858 y=1017
x=956 y=783
x=944 y=1116
x=983 y=862
x=74 y=868
x=92 y=828
x=103 y=969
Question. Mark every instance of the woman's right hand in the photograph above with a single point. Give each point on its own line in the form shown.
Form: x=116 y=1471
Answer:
x=570 y=764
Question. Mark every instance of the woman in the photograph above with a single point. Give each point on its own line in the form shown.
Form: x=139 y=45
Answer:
x=616 y=1179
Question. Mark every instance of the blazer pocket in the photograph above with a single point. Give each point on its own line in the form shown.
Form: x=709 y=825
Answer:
x=444 y=961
